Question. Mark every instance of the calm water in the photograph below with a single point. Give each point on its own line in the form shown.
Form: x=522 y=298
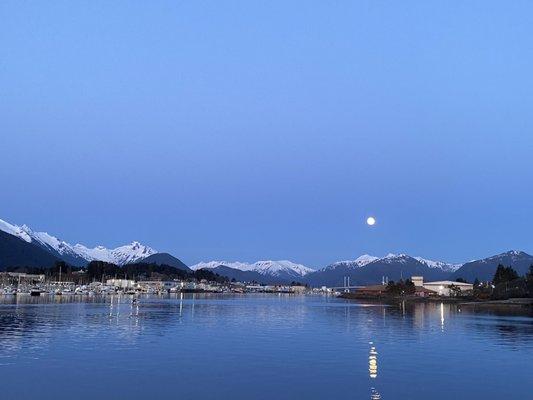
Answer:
x=259 y=346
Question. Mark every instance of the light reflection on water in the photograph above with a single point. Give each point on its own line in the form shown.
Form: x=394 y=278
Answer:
x=258 y=346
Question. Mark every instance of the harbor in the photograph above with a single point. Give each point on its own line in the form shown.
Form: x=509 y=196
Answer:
x=21 y=284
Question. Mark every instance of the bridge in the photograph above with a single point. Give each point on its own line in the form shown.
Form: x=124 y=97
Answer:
x=346 y=286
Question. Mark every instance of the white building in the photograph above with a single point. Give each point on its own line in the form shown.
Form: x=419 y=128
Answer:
x=121 y=283
x=442 y=288
x=159 y=285
x=24 y=277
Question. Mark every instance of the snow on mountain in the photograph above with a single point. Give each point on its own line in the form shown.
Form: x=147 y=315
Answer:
x=484 y=269
x=272 y=268
x=49 y=241
x=439 y=264
x=366 y=259
x=391 y=257
x=360 y=261
x=129 y=253
x=132 y=252
x=276 y=267
x=14 y=230
x=513 y=255
x=394 y=258
x=120 y=255
x=213 y=264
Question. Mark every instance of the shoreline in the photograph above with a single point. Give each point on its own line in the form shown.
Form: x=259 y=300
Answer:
x=515 y=302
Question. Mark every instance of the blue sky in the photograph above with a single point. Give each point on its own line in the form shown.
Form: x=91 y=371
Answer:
x=270 y=130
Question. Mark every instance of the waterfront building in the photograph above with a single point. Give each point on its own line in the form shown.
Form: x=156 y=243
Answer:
x=442 y=288
x=299 y=289
x=121 y=283
x=23 y=277
x=159 y=285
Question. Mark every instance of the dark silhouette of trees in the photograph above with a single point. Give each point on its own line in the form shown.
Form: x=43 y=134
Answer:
x=507 y=284
x=455 y=290
x=504 y=274
x=100 y=270
x=400 y=288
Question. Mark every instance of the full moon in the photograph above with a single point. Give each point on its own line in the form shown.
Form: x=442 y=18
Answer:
x=370 y=221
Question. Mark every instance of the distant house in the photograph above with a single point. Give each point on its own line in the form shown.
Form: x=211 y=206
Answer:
x=442 y=288
x=158 y=285
x=21 y=276
x=121 y=283
x=298 y=289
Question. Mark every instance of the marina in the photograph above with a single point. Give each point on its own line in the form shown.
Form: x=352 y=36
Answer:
x=14 y=284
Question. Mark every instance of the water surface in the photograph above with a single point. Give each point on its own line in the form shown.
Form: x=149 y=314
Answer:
x=259 y=346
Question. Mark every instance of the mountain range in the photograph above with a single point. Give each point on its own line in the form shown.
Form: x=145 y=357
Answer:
x=369 y=269
x=20 y=246
x=261 y=271
x=77 y=255
x=484 y=269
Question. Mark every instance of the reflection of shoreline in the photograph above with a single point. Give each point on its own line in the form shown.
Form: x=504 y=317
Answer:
x=500 y=307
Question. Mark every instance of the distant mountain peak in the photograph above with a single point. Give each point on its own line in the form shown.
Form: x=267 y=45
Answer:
x=121 y=255
x=517 y=253
x=439 y=264
x=393 y=258
x=264 y=267
x=15 y=230
x=366 y=258
x=396 y=258
x=359 y=262
x=512 y=254
x=79 y=253
x=484 y=269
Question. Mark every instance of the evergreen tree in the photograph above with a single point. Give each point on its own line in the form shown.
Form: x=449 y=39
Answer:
x=529 y=275
x=504 y=274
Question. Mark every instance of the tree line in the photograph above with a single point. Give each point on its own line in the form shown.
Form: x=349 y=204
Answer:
x=101 y=271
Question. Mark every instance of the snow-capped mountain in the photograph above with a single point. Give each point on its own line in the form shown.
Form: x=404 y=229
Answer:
x=127 y=254
x=484 y=269
x=512 y=255
x=266 y=272
x=272 y=268
x=359 y=262
x=366 y=259
x=78 y=254
x=214 y=264
x=447 y=267
x=14 y=230
x=370 y=270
